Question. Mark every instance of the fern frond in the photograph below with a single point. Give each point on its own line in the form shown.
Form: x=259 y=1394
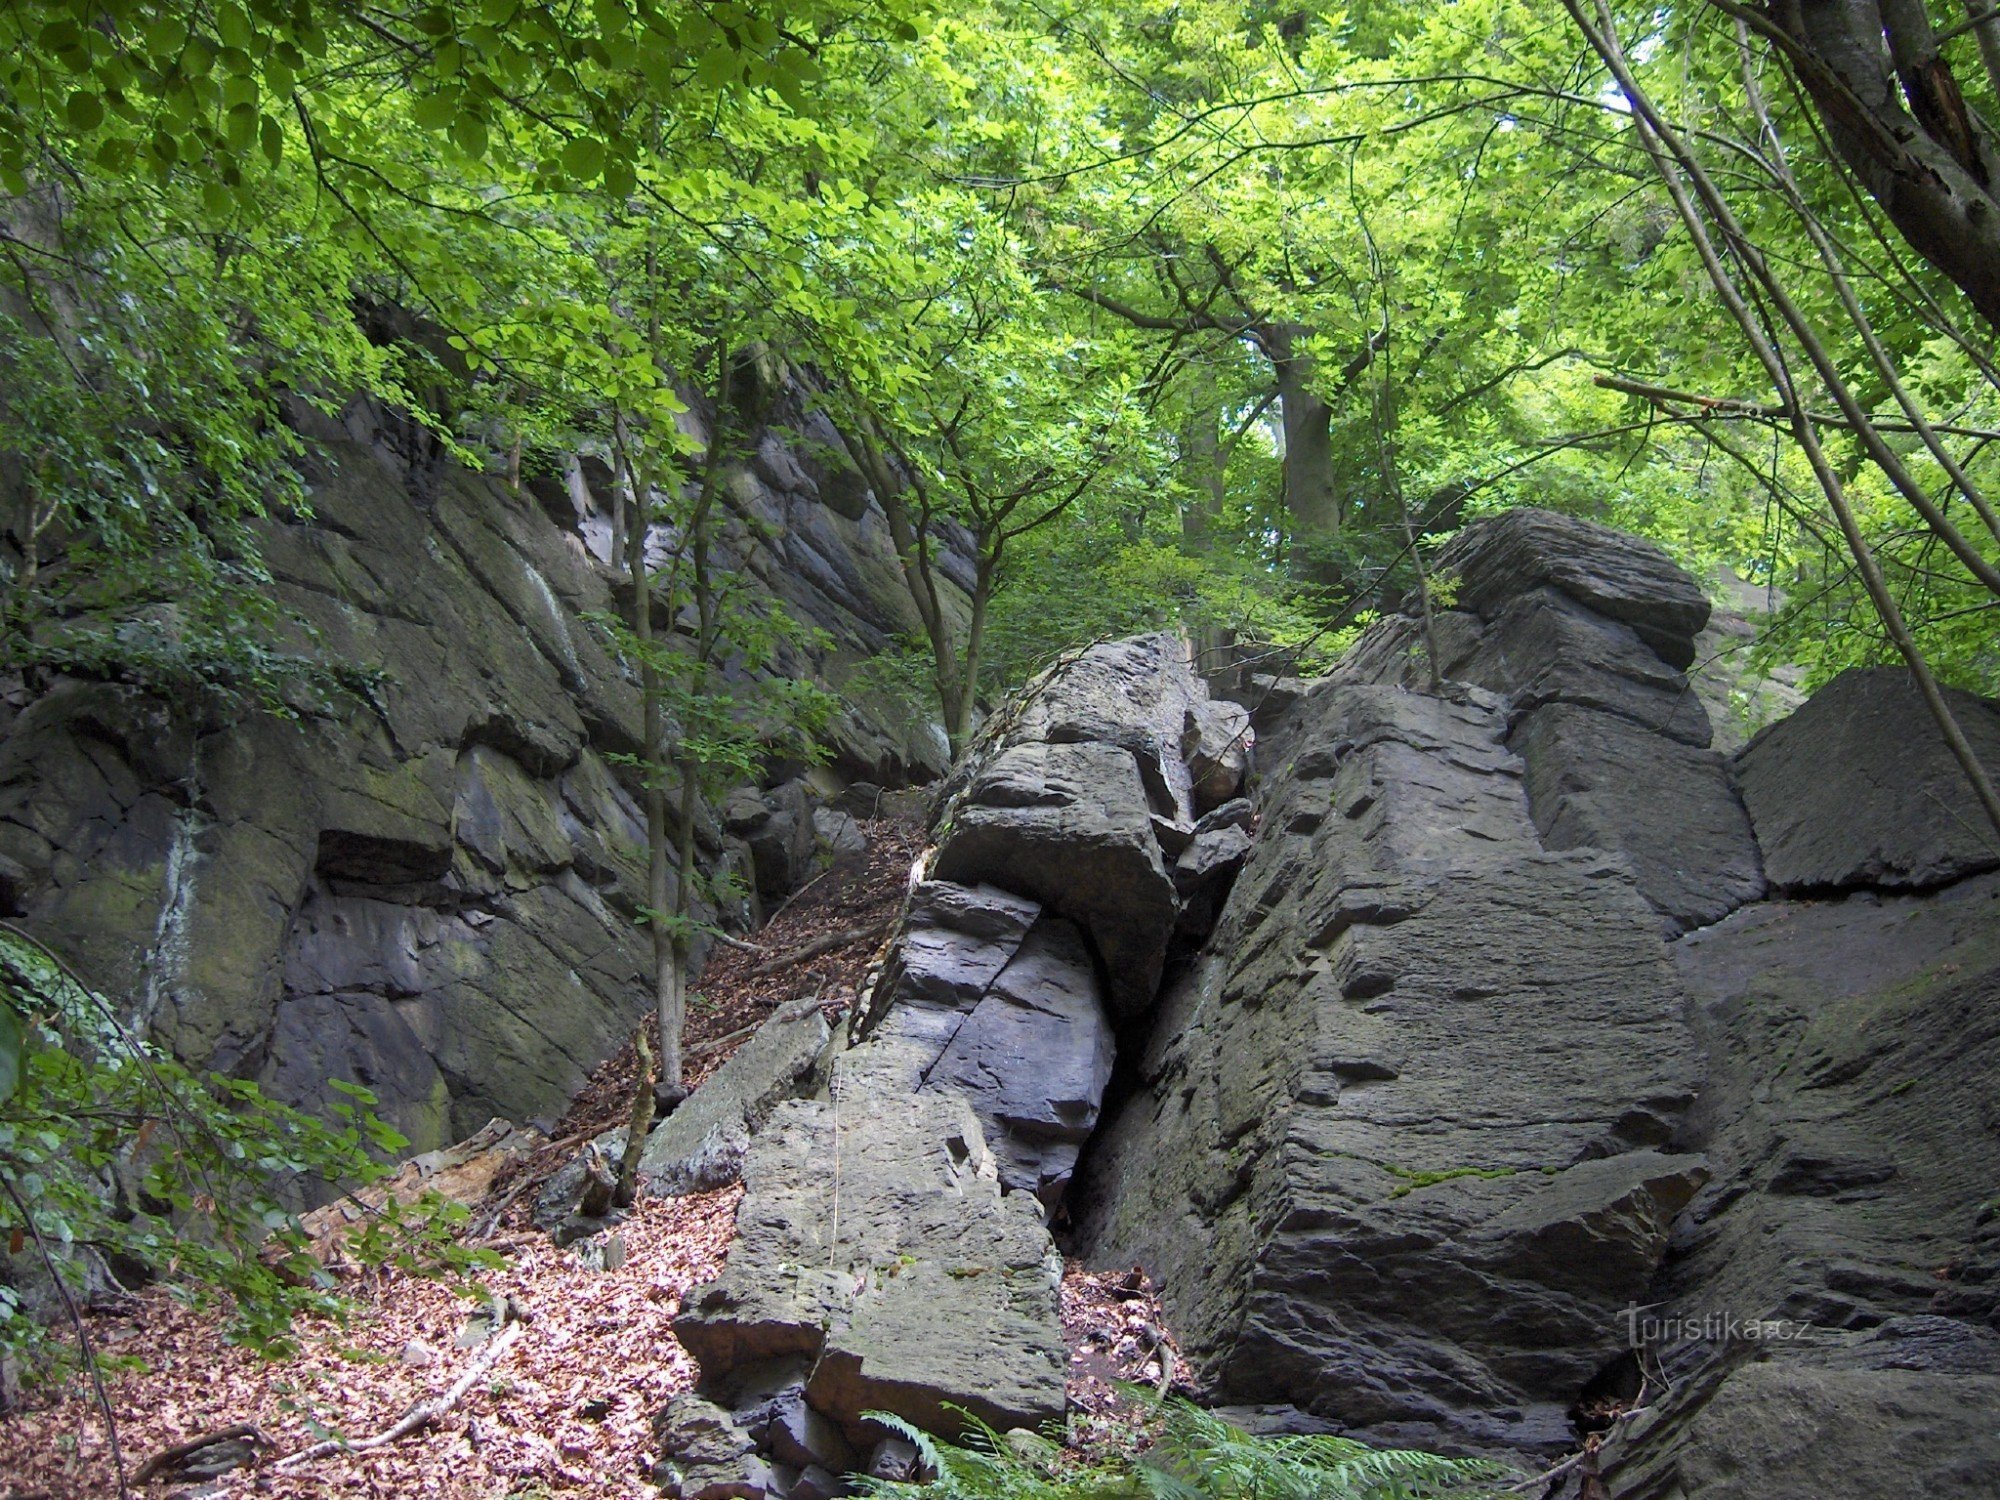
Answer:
x=1198 y=1456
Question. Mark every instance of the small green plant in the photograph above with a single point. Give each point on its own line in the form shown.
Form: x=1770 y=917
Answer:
x=1194 y=1455
x=1413 y=1179
x=120 y=1165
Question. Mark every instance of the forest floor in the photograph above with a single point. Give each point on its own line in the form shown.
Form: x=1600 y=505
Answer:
x=567 y=1408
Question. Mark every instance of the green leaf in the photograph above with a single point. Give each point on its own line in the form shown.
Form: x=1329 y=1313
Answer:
x=273 y=140
x=583 y=158
x=233 y=26
x=469 y=132
x=86 y=111
x=165 y=38
x=718 y=66
x=434 y=111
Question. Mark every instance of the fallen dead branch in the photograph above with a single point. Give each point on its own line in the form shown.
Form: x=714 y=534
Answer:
x=825 y=943
x=167 y=1458
x=423 y=1414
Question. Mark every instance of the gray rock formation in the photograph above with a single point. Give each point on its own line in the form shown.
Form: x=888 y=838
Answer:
x=1858 y=788
x=1502 y=1098
x=1070 y=824
x=1400 y=1155
x=1609 y=572
x=1088 y=790
x=1830 y=1320
x=702 y=1144
x=891 y=1249
x=986 y=996
x=433 y=893
x=924 y=1285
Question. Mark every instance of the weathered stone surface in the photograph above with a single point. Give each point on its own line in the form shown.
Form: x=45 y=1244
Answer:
x=1219 y=756
x=707 y=1456
x=955 y=941
x=984 y=995
x=1203 y=875
x=1599 y=781
x=1033 y=1058
x=1850 y=1120
x=1346 y=1207
x=1782 y=1431
x=837 y=834
x=778 y=826
x=701 y=1145
x=555 y=1209
x=1539 y=648
x=1612 y=573
x=1069 y=825
x=433 y=892
x=1859 y=789
x=927 y=1286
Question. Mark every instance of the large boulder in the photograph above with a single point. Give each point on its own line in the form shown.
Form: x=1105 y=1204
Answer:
x=1599 y=781
x=986 y=996
x=1849 y=1117
x=1611 y=732
x=779 y=829
x=1858 y=788
x=1033 y=1057
x=1084 y=793
x=1344 y=1211
x=1070 y=825
x=702 y=1144
x=429 y=887
x=876 y=1253
x=1611 y=573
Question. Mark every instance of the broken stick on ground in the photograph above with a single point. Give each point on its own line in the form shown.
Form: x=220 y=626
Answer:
x=423 y=1414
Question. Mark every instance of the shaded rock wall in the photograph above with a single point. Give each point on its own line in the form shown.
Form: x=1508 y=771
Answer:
x=433 y=893
x=1498 y=1044
x=1501 y=1069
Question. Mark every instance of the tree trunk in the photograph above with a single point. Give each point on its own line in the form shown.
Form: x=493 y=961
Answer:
x=1897 y=117
x=1312 y=499
x=1203 y=463
x=667 y=998
x=958 y=727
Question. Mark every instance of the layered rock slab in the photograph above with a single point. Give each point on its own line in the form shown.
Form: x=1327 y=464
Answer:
x=433 y=892
x=703 y=1143
x=1858 y=788
x=1070 y=825
x=1085 y=793
x=986 y=996
x=1612 y=573
x=1401 y=1154
x=876 y=1252
x=1614 y=736
x=1849 y=1114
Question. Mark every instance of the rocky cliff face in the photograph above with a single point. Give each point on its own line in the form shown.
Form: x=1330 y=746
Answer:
x=1537 y=1052
x=1540 y=1051
x=433 y=893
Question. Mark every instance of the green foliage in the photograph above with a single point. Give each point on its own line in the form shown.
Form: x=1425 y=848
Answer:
x=130 y=1165
x=1071 y=586
x=1194 y=1455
